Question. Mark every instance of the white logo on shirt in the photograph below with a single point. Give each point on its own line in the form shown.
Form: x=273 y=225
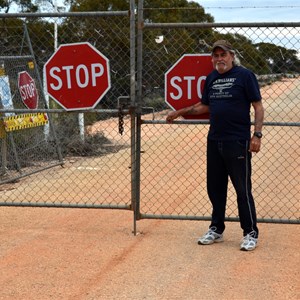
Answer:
x=222 y=86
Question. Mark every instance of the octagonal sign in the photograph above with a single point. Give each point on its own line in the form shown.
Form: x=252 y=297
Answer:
x=185 y=80
x=77 y=76
x=28 y=90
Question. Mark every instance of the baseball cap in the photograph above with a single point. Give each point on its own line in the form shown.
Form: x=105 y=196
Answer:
x=222 y=44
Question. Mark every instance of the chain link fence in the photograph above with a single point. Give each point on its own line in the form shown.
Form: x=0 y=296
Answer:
x=175 y=154
x=55 y=158
x=122 y=154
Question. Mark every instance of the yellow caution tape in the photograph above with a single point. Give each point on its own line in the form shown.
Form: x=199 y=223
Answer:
x=23 y=121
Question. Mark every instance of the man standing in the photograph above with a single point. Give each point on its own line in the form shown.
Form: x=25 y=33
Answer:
x=229 y=92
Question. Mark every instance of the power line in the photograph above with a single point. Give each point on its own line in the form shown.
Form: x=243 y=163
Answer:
x=221 y=7
x=255 y=7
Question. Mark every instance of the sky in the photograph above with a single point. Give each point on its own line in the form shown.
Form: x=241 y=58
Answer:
x=252 y=10
x=230 y=11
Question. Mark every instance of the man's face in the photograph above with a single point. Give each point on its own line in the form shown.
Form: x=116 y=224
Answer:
x=222 y=60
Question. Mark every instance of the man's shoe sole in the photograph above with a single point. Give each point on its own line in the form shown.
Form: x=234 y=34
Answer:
x=211 y=242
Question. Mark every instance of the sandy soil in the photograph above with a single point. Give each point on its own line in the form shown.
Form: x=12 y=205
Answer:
x=50 y=253
x=92 y=254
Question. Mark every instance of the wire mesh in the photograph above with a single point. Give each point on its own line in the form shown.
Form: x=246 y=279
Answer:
x=74 y=159
x=178 y=187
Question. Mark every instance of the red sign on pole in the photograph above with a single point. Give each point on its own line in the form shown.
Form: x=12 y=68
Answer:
x=184 y=82
x=28 y=91
x=77 y=76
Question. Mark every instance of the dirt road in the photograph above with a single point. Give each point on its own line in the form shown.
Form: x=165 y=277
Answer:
x=92 y=254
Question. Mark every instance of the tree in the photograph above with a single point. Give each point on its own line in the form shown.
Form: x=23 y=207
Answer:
x=103 y=5
x=175 y=11
x=279 y=59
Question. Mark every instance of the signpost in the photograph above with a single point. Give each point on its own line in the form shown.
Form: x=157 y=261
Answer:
x=77 y=76
x=184 y=81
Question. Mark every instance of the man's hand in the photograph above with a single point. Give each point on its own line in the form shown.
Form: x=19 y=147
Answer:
x=196 y=109
x=255 y=144
x=172 y=115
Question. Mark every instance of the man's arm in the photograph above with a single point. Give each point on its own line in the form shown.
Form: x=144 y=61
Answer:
x=258 y=124
x=196 y=109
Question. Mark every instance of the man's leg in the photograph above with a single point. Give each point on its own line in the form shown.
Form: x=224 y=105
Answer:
x=238 y=161
x=217 y=182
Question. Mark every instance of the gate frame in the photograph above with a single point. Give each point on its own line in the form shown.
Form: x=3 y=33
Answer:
x=145 y=26
x=130 y=110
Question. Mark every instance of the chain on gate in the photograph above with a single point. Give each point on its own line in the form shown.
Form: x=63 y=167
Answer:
x=123 y=103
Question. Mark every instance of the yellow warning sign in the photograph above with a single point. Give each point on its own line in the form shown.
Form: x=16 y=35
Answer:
x=30 y=65
x=23 y=121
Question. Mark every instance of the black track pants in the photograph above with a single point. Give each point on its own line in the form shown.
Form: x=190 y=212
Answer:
x=230 y=159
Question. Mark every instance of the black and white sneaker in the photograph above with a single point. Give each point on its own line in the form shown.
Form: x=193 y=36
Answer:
x=248 y=242
x=210 y=237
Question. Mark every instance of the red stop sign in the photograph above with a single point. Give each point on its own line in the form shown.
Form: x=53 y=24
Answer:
x=77 y=76
x=27 y=89
x=184 y=82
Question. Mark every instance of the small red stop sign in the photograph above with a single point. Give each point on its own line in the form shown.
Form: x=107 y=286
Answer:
x=77 y=76
x=185 y=80
x=27 y=89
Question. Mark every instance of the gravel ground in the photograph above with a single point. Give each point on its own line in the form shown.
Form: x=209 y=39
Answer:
x=48 y=253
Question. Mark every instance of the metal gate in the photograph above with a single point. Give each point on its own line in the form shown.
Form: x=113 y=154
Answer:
x=173 y=156
x=84 y=160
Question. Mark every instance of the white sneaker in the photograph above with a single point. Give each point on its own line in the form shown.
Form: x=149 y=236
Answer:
x=248 y=243
x=210 y=237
